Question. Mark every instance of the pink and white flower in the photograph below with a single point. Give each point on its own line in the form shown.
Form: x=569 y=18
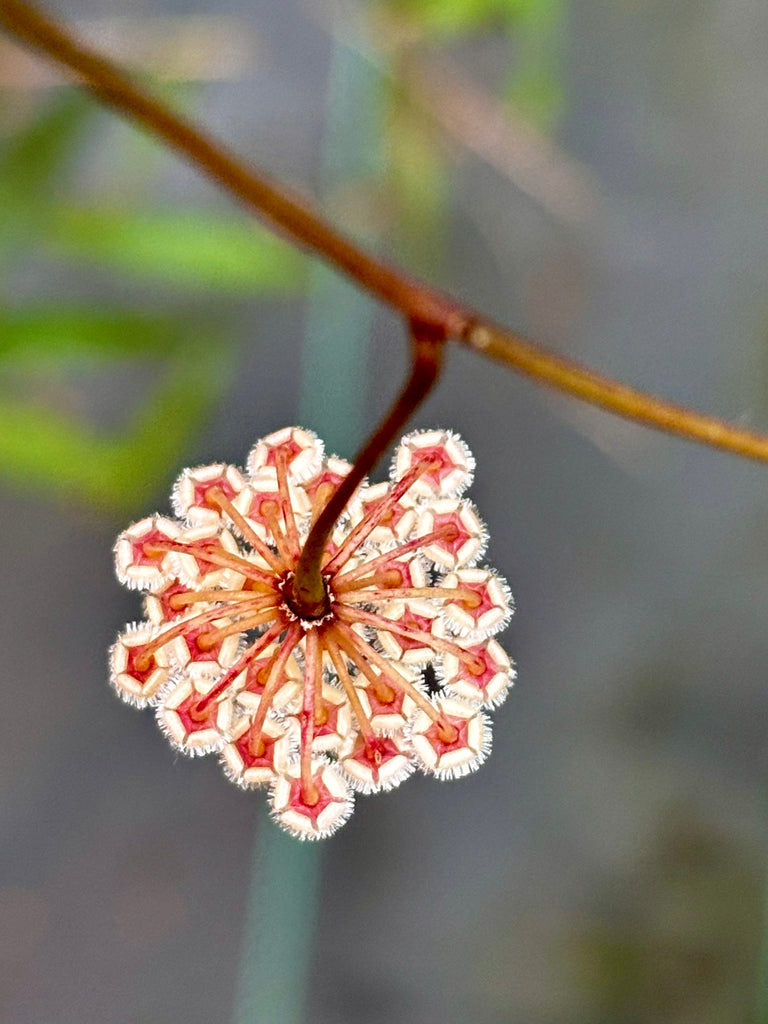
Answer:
x=318 y=709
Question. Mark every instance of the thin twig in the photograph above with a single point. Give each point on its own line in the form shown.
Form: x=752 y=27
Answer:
x=289 y=213
x=309 y=591
x=558 y=372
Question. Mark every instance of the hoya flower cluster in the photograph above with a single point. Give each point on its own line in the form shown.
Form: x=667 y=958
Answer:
x=394 y=676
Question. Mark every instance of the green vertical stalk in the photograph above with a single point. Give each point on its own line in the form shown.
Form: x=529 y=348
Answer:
x=761 y=999
x=334 y=384
x=283 y=898
x=280 y=916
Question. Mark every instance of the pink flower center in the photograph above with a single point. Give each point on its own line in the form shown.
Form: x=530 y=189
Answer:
x=385 y=700
x=290 y=449
x=482 y=670
x=375 y=752
x=168 y=608
x=140 y=665
x=149 y=550
x=323 y=486
x=450 y=733
x=258 y=755
x=440 y=464
x=453 y=533
x=258 y=675
x=194 y=715
x=204 y=498
x=199 y=646
x=316 y=800
x=480 y=603
x=325 y=718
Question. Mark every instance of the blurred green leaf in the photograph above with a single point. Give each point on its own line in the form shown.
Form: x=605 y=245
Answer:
x=31 y=158
x=537 y=95
x=192 y=248
x=541 y=13
x=534 y=86
x=536 y=28
x=162 y=429
x=29 y=162
x=420 y=182
x=29 y=335
x=451 y=17
x=45 y=449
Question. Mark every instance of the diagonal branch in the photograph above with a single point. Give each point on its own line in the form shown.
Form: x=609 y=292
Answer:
x=289 y=213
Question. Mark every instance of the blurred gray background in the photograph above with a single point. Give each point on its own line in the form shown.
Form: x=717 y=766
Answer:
x=609 y=860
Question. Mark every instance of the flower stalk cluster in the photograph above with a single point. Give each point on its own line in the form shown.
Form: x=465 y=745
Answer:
x=394 y=672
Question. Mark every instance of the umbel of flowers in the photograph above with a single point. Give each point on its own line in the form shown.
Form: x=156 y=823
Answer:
x=398 y=672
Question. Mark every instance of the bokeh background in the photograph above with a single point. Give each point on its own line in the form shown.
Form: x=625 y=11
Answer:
x=592 y=172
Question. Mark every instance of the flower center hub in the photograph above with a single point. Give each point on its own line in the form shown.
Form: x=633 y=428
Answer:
x=306 y=611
